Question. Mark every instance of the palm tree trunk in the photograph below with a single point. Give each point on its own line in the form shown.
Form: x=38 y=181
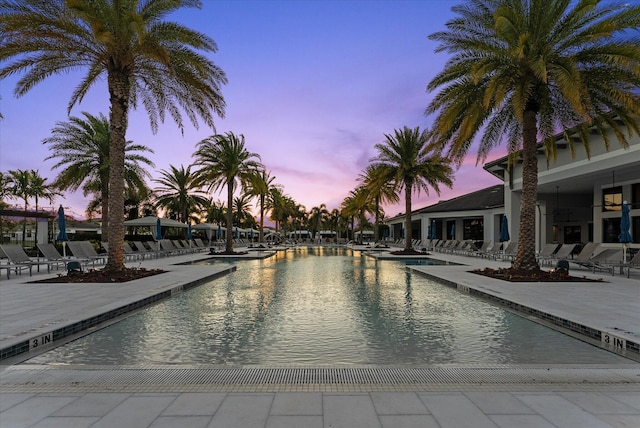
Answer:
x=105 y=209
x=36 y=237
x=24 y=222
x=119 y=86
x=407 y=216
x=261 y=237
x=229 y=240
x=376 y=226
x=526 y=254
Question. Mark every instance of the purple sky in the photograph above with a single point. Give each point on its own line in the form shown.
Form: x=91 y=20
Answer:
x=313 y=86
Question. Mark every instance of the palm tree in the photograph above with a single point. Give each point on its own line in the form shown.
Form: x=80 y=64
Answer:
x=299 y=217
x=179 y=193
x=405 y=160
x=357 y=206
x=260 y=186
x=333 y=222
x=380 y=192
x=277 y=204
x=39 y=188
x=128 y=44
x=225 y=162
x=216 y=212
x=317 y=219
x=348 y=211
x=26 y=184
x=138 y=202
x=82 y=147
x=526 y=69
x=242 y=210
x=20 y=181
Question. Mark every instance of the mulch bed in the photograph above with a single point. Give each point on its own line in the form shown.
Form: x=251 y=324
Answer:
x=102 y=276
x=512 y=275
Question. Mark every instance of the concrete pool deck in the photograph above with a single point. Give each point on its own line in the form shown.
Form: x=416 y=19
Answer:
x=461 y=396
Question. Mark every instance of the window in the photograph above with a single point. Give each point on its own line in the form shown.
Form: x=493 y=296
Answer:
x=635 y=228
x=612 y=199
x=610 y=229
x=473 y=228
x=635 y=195
x=572 y=234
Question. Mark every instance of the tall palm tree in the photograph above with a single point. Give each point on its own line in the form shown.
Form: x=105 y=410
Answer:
x=39 y=188
x=225 y=162
x=349 y=211
x=82 y=147
x=242 y=210
x=179 y=193
x=127 y=43
x=299 y=217
x=216 y=212
x=317 y=219
x=277 y=204
x=19 y=180
x=357 y=206
x=380 y=192
x=333 y=222
x=26 y=184
x=260 y=187
x=522 y=70
x=406 y=161
x=138 y=202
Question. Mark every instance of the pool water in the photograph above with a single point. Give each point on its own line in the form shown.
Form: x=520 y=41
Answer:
x=325 y=306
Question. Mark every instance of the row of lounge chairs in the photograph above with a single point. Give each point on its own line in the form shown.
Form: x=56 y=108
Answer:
x=85 y=254
x=592 y=256
x=488 y=249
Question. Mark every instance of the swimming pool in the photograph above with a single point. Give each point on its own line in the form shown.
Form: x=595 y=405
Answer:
x=325 y=306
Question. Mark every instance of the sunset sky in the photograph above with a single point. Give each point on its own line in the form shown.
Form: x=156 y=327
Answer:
x=313 y=86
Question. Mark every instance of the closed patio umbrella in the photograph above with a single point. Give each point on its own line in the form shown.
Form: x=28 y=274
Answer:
x=434 y=232
x=625 y=224
x=62 y=230
x=504 y=229
x=158 y=232
x=453 y=231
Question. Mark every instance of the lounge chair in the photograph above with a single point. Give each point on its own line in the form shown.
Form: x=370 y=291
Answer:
x=128 y=252
x=547 y=252
x=589 y=249
x=563 y=253
x=51 y=253
x=17 y=269
x=510 y=252
x=142 y=250
x=199 y=245
x=617 y=262
x=167 y=248
x=483 y=249
x=17 y=257
x=603 y=260
x=81 y=251
x=634 y=263
x=493 y=252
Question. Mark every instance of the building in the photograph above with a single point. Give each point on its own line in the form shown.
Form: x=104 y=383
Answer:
x=579 y=198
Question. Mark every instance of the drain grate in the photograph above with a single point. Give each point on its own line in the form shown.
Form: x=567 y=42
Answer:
x=162 y=376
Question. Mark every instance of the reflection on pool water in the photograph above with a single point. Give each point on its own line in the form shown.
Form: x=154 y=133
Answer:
x=325 y=306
